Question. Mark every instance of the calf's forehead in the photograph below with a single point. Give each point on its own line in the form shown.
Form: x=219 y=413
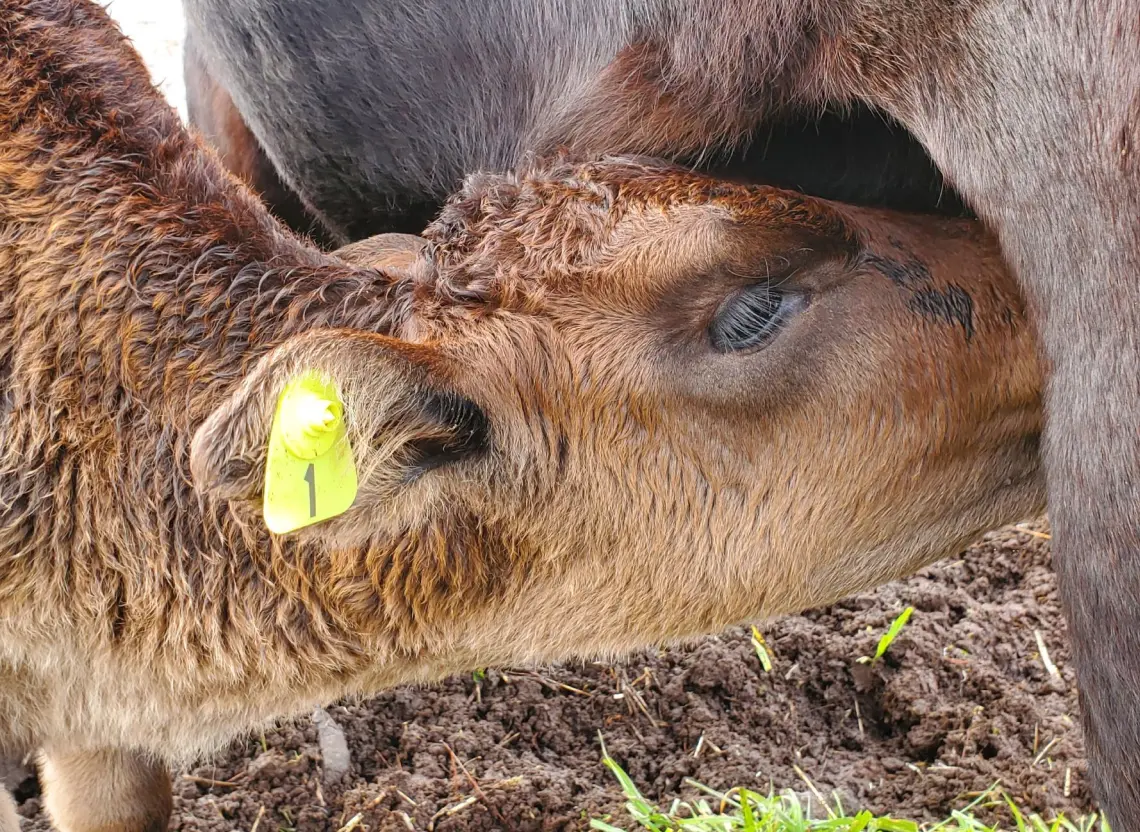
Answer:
x=692 y=248
x=570 y=217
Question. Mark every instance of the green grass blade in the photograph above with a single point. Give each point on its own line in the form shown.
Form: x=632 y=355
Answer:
x=762 y=651
x=892 y=633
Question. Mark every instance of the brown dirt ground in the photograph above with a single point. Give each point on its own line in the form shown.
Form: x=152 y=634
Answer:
x=962 y=700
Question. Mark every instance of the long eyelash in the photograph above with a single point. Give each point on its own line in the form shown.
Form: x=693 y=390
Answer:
x=751 y=313
x=748 y=320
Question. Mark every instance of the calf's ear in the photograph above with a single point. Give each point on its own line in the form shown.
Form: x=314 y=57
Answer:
x=400 y=413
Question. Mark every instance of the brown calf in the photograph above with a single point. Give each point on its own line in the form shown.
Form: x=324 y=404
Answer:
x=608 y=405
x=1030 y=108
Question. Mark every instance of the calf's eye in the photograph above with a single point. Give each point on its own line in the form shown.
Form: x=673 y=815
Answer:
x=753 y=316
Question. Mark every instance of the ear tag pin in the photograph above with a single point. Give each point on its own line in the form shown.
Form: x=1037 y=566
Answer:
x=310 y=475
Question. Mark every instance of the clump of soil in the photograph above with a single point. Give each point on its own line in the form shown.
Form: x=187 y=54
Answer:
x=962 y=700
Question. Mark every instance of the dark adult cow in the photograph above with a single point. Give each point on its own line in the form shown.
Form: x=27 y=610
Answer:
x=1030 y=107
x=376 y=117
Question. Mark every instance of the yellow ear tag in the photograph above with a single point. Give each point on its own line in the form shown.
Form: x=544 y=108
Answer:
x=309 y=471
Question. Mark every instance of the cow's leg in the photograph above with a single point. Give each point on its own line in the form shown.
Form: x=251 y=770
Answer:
x=1089 y=313
x=1032 y=109
x=1076 y=255
x=213 y=113
x=105 y=791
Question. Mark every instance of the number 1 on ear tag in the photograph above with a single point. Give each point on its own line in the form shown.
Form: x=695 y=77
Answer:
x=310 y=475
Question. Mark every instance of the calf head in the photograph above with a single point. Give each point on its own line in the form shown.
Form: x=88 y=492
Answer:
x=668 y=404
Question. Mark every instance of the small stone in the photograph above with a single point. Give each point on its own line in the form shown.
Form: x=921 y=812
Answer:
x=335 y=755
